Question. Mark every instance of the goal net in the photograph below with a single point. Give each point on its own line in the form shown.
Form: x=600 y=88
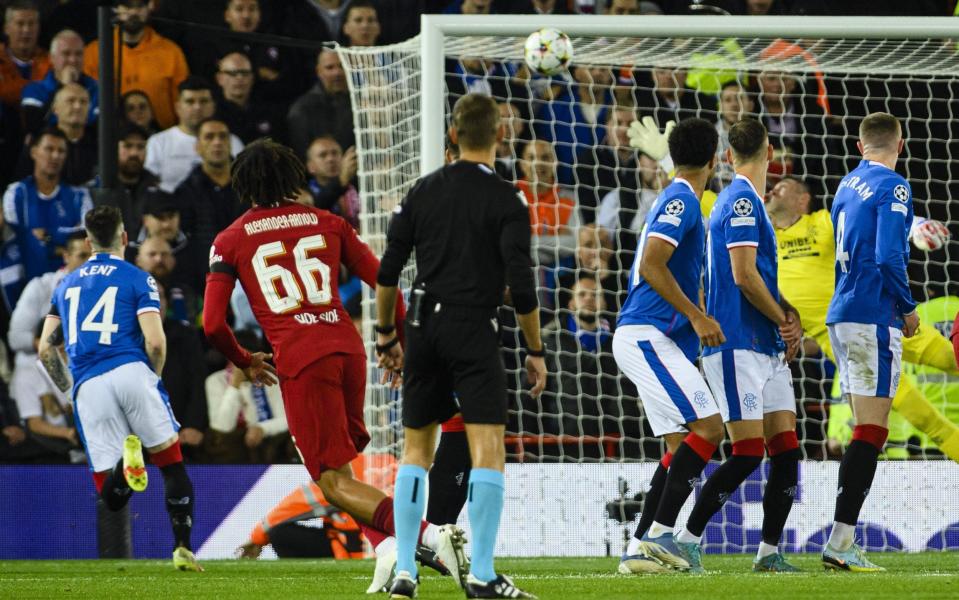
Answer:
x=581 y=455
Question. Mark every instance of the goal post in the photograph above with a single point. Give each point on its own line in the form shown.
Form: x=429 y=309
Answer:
x=589 y=421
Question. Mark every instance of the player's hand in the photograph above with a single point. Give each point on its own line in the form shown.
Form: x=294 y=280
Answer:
x=261 y=372
x=708 y=330
x=15 y=435
x=791 y=331
x=929 y=234
x=249 y=550
x=644 y=135
x=191 y=436
x=254 y=436
x=390 y=359
x=536 y=374
x=910 y=324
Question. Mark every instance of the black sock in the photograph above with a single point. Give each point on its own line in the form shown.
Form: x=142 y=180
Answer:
x=684 y=471
x=179 y=502
x=856 y=471
x=653 y=497
x=449 y=478
x=717 y=489
x=115 y=491
x=780 y=493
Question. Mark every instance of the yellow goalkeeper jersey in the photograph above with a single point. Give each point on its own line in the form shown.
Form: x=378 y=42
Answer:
x=807 y=258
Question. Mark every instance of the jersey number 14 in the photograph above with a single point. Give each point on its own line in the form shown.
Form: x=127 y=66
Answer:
x=316 y=290
x=102 y=310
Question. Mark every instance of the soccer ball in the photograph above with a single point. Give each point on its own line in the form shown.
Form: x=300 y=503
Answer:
x=548 y=51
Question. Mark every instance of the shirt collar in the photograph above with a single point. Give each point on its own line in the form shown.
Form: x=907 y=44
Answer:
x=103 y=256
x=686 y=183
x=876 y=163
x=751 y=186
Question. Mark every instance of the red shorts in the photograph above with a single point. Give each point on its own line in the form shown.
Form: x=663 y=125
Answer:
x=324 y=410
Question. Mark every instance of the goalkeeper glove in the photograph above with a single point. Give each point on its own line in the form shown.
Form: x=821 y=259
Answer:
x=928 y=234
x=645 y=136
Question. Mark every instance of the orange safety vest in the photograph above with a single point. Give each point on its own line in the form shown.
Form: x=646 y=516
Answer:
x=548 y=212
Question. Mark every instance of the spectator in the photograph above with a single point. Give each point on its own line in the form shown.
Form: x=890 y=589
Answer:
x=71 y=107
x=589 y=384
x=172 y=153
x=361 y=25
x=552 y=208
x=325 y=109
x=594 y=258
x=575 y=119
x=247 y=422
x=161 y=218
x=183 y=377
x=332 y=172
x=35 y=397
x=41 y=211
x=469 y=7
x=21 y=59
x=247 y=115
x=549 y=7
x=510 y=147
x=611 y=166
x=734 y=104
x=151 y=62
x=155 y=256
x=669 y=98
x=133 y=178
x=15 y=445
x=625 y=7
x=136 y=108
x=320 y=20
x=625 y=210
x=206 y=196
x=66 y=60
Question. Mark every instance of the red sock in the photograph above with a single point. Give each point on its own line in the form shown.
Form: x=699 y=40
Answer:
x=168 y=456
x=871 y=434
x=383 y=520
x=666 y=459
x=375 y=536
x=99 y=478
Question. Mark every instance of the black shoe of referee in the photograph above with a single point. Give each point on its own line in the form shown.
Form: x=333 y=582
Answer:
x=501 y=587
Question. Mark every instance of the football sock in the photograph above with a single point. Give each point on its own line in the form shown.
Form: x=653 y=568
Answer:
x=684 y=470
x=781 y=485
x=373 y=535
x=687 y=538
x=766 y=550
x=653 y=497
x=409 y=502
x=747 y=455
x=179 y=502
x=485 y=507
x=114 y=488
x=449 y=478
x=856 y=471
x=842 y=536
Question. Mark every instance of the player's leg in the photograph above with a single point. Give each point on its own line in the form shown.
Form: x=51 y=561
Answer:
x=680 y=409
x=449 y=476
x=779 y=427
x=737 y=378
x=928 y=348
x=147 y=409
x=868 y=358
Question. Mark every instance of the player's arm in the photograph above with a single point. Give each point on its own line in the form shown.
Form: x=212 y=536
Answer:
x=892 y=252
x=51 y=338
x=751 y=284
x=514 y=247
x=654 y=269
x=154 y=339
x=399 y=246
x=792 y=331
x=361 y=261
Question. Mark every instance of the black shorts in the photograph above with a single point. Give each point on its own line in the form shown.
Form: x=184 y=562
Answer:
x=453 y=363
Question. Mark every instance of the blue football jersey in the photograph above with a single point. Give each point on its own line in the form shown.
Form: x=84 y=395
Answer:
x=872 y=215
x=739 y=219
x=98 y=305
x=676 y=218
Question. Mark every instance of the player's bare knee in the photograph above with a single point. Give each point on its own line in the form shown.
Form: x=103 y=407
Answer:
x=331 y=484
x=710 y=429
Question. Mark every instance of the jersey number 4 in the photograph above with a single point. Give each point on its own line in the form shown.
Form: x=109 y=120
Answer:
x=842 y=257
x=316 y=290
x=102 y=310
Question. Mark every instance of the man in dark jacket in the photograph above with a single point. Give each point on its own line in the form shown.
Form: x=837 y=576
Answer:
x=325 y=109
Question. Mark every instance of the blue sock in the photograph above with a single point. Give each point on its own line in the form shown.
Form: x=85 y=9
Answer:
x=485 y=507
x=409 y=502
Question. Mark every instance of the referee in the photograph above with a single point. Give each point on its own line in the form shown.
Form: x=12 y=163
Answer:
x=471 y=233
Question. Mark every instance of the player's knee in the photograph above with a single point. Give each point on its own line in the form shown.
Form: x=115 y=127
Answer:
x=331 y=483
x=710 y=429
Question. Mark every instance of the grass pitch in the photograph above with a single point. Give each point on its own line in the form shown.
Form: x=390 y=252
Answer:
x=909 y=576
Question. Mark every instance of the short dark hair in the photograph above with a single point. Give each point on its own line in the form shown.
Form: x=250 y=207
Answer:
x=476 y=120
x=731 y=83
x=194 y=83
x=76 y=236
x=51 y=132
x=693 y=143
x=360 y=4
x=127 y=129
x=748 y=139
x=266 y=173
x=213 y=119
x=22 y=5
x=879 y=130
x=103 y=225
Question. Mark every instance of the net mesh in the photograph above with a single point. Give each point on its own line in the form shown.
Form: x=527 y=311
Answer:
x=591 y=192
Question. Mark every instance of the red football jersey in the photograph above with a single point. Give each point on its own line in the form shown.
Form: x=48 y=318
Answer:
x=287 y=258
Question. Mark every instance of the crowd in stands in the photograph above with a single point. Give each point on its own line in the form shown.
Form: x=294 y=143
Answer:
x=192 y=97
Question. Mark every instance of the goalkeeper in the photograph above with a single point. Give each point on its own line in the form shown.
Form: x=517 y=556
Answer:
x=807 y=251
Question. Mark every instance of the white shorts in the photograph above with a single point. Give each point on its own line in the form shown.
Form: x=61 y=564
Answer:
x=671 y=388
x=109 y=407
x=869 y=358
x=748 y=385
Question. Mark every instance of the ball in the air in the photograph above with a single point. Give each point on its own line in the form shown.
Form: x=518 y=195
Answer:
x=548 y=51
